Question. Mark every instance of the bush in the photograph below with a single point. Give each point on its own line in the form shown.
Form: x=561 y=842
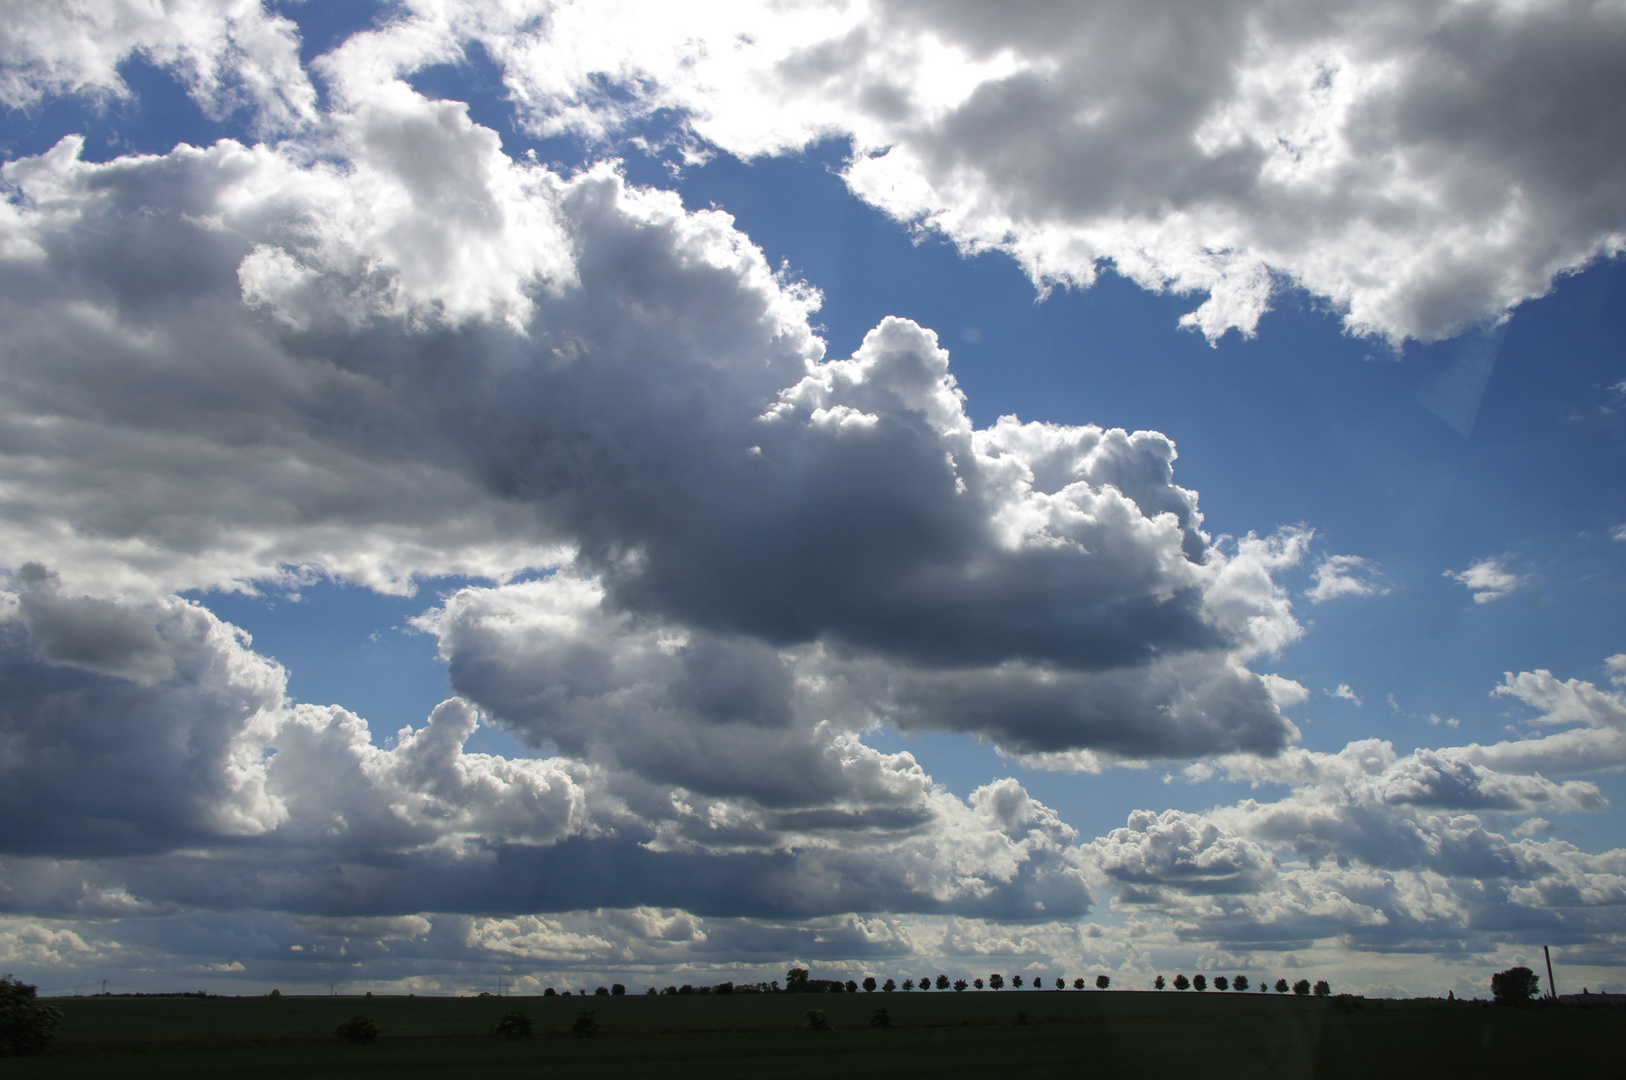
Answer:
x=1182 y=983
x=881 y=1019
x=816 y=1021
x=358 y=1030
x=1240 y=983
x=1302 y=988
x=1322 y=989
x=27 y=1025
x=585 y=1026
x=1199 y=982
x=1104 y=981
x=513 y=1025
x=1515 y=986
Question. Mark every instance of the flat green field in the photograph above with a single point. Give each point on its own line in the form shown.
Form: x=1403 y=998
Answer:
x=1115 y=1033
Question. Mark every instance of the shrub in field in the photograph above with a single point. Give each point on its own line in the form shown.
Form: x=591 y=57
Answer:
x=996 y=980
x=513 y=1025
x=1199 y=982
x=1514 y=986
x=816 y=1021
x=1078 y=984
x=881 y=1019
x=358 y=1029
x=1281 y=986
x=1158 y=983
x=1322 y=989
x=1182 y=983
x=1103 y=981
x=27 y=1025
x=1221 y=982
x=1302 y=988
x=959 y=985
x=585 y=1026
x=889 y=986
x=1240 y=982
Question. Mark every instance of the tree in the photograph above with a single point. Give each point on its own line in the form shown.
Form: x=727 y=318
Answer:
x=926 y=983
x=1078 y=983
x=977 y=982
x=513 y=1025
x=1322 y=989
x=1016 y=981
x=585 y=1026
x=1061 y=983
x=1182 y=983
x=1103 y=981
x=275 y=993
x=959 y=985
x=850 y=986
x=1199 y=982
x=882 y=1019
x=27 y=1025
x=1514 y=986
x=1281 y=986
x=996 y=980
x=1302 y=988
x=796 y=981
x=1240 y=983
x=1221 y=982
x=816 y=1021
x=890 y=986
x=908 y=984
x=357 y=1029
x=942 y=982
x=603 y=991
x=618 y=989
x=869 y=984
x=1158 y=983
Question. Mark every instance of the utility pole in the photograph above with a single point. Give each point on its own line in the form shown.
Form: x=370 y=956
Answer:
x=1552 y=989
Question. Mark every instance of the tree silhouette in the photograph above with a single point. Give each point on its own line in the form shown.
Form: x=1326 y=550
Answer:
x=890 y=986
x=27 y=1025
x=977 y=982
x=1302 y=988
x=851 y=986
x=1514 y=986
x=1281 y=986
x=1158 y=983
x=1322 y=989
x=1221 y=982
x=1078 y=983
x=959 y=985
x=996 y=980
x=1240 y=982
x=869 y=984
x=1199 y=982
x=908 y=984
x=795 y=980
x=942 y=982
x=1103 y=981
x=1016 y=981
x=1182 y=983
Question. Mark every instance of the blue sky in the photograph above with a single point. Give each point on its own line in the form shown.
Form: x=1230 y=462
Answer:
x=432 y=371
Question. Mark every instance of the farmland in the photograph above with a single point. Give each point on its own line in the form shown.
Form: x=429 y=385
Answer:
x=932 y=1034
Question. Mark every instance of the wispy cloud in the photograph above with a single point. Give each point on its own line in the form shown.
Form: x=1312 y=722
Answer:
x=1345 y=575
x=1488 y=579
x=1344 y=693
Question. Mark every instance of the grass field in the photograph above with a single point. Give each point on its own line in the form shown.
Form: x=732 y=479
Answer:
x=1068 y=1033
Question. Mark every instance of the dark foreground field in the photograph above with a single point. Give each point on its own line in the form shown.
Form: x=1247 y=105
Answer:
x=1068 y=1033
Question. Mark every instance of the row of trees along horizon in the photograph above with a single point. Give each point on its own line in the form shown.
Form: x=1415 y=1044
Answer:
x=799 y=981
